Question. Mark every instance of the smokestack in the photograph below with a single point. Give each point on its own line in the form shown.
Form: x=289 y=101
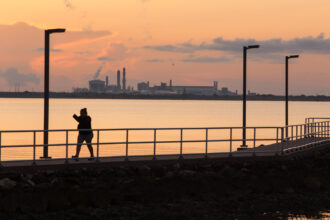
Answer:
x=215 y=85
x=107 y=81
x=170 y=83
x=124 y=78
x=118 y=80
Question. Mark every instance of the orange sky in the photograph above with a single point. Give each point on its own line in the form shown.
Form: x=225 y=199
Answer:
x=133 y=33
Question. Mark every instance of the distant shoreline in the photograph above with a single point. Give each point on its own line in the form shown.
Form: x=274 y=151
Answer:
x=159 y=97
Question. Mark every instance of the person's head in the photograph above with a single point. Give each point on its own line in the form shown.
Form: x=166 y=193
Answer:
x=83 y=112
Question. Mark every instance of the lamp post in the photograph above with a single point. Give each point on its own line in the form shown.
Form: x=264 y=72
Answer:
x=245 y=48
x=287 y=92
x=46 y=89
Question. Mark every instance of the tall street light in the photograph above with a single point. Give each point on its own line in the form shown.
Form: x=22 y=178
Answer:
x=287 y=92
x=46 y=88
x=245 y=48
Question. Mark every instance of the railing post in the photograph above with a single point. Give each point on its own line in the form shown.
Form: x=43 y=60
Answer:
x=254 y=141
x=155 y=141
x=296 y=132
x=0 y=146
x=206 y=141
x=34 y=148
x=181 y=142
x=66 y=146
x=292 y=136
x=98 y=146
x=126 y=145
x=231 y=142
x=276 y=135
x=282 y=141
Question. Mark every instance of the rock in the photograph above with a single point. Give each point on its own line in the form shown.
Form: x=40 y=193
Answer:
x=32 y=203
x=7 y=183
x=289 y=190
x=312 y=183
x=144 y=170
x=158 y=171
x=43 y=186
x=9 y=203
x=245 y=170
x=176 y=166
x=187 y=172
x=206 y=166
x=57 y=202
x=54 y=181
x=228 y=171
x=30 y=182
x=169 y=174
x=50 y=172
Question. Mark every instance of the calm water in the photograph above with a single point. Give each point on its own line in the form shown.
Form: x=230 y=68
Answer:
x=27 y=114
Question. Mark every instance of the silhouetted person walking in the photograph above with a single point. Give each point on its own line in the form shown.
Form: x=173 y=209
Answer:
x=85 y=122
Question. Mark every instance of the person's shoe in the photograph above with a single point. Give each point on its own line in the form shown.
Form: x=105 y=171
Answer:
x=76 y=158
x=91 y=158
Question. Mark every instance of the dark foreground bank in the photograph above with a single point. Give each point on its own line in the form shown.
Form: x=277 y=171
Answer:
x=196 y=189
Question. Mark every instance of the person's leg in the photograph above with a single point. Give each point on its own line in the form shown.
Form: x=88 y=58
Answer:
x=79 y=143
x=89 y=144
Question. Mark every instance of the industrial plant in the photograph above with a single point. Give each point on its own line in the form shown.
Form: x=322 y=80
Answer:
x=119 y=86
x=163 y=88
x=104 y=86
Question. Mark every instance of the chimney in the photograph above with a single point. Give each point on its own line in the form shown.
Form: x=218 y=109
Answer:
x=170 y=83
x=215 y=85
x=107 y=81
x=118 y=80
x=124 y=78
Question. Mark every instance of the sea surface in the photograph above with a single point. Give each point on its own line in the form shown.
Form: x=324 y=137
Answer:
x=27 y=114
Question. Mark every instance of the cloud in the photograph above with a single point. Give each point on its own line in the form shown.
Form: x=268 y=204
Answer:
x=13 y=77
x=311 y=45
x=68 y=4
x=205 y=59
x=105 y=58
x=155 y=61
x=113 y=52
x=173 y=48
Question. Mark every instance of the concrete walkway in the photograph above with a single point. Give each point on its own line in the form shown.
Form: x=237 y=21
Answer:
x=289 y=147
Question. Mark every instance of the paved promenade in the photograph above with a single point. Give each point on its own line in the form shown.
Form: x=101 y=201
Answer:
x=289 y=148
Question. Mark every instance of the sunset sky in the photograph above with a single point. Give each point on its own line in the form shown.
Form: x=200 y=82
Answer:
x=191 y=42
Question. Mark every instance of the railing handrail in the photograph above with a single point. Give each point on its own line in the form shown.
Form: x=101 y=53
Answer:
x=150 y=129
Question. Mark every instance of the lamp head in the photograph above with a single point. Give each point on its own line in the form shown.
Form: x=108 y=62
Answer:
x=253 y=46
x=57 y=30
x=293 y=56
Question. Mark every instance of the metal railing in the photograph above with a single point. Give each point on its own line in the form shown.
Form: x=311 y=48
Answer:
x=261 y=139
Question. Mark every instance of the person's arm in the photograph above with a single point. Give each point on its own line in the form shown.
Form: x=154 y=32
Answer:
x=76 y=117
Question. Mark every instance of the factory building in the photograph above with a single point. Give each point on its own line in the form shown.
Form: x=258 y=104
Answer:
x=225 y=91
x=97 y=85
x=143 y=86
x=195 y=90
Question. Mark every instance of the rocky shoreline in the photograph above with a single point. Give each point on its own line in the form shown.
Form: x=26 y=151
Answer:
x=185 y=189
